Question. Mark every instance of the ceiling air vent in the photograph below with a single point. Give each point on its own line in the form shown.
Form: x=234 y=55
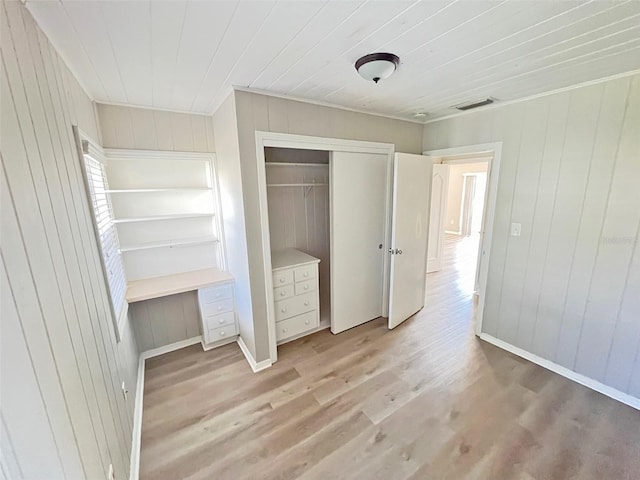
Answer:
x=475 y=104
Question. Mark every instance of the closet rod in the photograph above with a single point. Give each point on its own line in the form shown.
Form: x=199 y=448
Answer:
x=287 y=164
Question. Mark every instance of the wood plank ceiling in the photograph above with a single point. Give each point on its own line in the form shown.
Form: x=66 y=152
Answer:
x=186 y=55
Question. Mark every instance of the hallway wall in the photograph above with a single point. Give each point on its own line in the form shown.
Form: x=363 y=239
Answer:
x=567 y=289
x=63 y=413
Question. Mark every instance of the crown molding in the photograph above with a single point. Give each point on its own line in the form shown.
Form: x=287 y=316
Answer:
x=537 y=95
x=143 y=107
x=267 y=93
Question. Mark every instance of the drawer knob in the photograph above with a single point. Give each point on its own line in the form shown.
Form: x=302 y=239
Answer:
x=306 y=304
x=283 y=310
x=306 y=287
x=281 y=279
x=221 y=321
x=219 y=308
x=306 y=274
x=222 y=334
x=284 y=330
x=282 y=294
x=306 y=322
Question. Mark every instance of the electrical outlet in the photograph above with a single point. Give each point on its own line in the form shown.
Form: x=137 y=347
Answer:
x=125 y=392
x=111 y=476
x=516 y=229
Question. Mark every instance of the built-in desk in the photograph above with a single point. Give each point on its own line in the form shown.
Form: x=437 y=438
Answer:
x=216 y=300
x=156 y=287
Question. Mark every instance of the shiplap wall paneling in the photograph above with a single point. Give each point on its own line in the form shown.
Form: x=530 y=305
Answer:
x=567 y=288
x=165 y=320
x=53 y=271
x=145 y=129
x=299 y=217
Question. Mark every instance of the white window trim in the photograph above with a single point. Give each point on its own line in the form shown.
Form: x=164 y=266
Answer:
x=118 y=315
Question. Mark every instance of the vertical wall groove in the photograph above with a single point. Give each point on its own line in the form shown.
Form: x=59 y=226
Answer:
x=575 y=266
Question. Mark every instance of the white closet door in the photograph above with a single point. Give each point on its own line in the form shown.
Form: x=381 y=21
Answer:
x=409 y=235
x=439 y=191
x=358 y=202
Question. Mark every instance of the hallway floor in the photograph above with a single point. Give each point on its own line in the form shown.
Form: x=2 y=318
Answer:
x=427 y=400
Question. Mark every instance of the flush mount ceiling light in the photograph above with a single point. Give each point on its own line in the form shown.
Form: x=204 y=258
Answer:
x=377 y=66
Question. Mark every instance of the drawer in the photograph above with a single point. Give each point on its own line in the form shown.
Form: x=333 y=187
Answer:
x=295 y=306
x=304 y=287
x=282 y=277
x=218 y=334
x=296 y=325
x=217 y=321
x=304 y=273
x=216 y=308
x=214 y=294
x=287 y=291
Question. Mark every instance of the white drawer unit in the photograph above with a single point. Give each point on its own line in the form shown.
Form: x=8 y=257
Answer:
x=284 y=277
x=220 y=335
x=295 y=293
x=280 y=293
x=217 y=321
x=294 y=326
x=217 y=314
x=295 y=306
x=216 y=308
x=217 y=293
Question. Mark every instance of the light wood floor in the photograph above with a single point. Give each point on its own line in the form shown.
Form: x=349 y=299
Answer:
x=427 y=400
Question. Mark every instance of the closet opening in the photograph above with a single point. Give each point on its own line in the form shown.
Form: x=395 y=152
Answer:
x=298 y=200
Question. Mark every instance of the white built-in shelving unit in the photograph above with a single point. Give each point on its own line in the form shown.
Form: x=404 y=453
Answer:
x=166 y=210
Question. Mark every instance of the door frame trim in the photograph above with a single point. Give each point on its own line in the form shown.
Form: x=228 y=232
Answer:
x=494 y=151
x=286 y=140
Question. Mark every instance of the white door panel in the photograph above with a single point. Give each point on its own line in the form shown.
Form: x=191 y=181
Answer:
x=358 y=204
x=409 y=235
x=439 y=191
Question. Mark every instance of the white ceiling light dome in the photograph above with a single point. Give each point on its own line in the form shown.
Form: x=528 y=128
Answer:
x=377 y=66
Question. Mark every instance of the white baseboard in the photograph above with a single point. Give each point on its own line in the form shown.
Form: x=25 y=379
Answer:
x=565 y=372
x=134 y=465
x=255 y=366
x=451 y=232
x=211 y=346
x=154 y=352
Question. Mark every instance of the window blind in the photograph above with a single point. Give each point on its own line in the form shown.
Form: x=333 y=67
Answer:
x=97 y=189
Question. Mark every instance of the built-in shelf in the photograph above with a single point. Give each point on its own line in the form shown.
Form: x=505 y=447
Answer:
x=157 y=287
x=158 y=190
x=292 y=164
x=162 y=217
x=179 y=242
x=296 y=184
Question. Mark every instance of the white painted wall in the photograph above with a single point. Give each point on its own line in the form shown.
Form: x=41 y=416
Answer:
x=146 y=129
x=63 y=414
x=232 y=191
x=454 y=192
x=259 y=112
x=568 y=289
